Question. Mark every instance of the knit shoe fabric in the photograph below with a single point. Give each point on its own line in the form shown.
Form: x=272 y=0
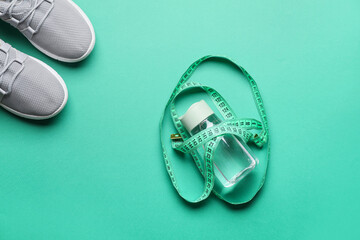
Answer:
x=58 y=28
x=28 y=87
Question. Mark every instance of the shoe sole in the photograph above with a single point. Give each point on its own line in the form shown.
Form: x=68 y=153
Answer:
x=91 y=47
x=34 y=117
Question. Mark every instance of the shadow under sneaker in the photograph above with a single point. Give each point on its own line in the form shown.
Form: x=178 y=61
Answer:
x=58 y=28
x=28 y=87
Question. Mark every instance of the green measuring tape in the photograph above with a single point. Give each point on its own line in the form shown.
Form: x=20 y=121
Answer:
x=209 y=137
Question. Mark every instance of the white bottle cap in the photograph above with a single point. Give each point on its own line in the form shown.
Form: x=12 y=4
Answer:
x=196 y=113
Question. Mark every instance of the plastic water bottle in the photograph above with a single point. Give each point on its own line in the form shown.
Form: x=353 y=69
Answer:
x=233 y=159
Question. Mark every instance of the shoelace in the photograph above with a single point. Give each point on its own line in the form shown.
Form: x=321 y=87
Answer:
x=28 y=16
x=19 y=59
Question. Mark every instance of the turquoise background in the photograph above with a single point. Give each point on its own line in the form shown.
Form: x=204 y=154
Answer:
x=96 y=171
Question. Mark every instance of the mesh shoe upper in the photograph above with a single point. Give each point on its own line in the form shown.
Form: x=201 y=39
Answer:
x=30 y=89
x=56 y=27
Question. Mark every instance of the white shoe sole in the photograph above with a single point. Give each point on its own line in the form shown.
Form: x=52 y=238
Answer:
x=91 y=47
x=33 y=117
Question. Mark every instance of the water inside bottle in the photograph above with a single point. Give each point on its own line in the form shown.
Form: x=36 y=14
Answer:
x=233 y=159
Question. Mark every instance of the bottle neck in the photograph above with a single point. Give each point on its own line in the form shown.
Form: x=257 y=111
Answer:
x=210 y=121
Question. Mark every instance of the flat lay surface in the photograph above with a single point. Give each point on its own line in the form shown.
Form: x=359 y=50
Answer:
x=96 y=170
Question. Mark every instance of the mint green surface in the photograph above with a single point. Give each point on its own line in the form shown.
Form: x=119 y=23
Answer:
x=96 y=170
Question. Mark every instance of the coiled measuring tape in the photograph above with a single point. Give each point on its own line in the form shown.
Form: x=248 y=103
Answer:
x=209 y=137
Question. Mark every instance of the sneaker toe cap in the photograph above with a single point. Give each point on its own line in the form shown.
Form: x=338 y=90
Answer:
x=66 y=34
x=37 y=93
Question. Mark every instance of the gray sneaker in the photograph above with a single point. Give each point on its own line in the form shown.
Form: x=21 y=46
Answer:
x=58 y=28
x=28 y=87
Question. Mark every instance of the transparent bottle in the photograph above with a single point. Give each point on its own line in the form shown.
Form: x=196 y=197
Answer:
x=233 y=159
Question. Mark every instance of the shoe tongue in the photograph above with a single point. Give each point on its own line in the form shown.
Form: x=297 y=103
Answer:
x=2 y=56
x=2 y=59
